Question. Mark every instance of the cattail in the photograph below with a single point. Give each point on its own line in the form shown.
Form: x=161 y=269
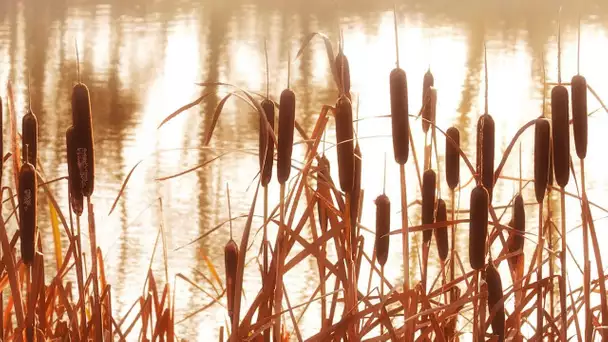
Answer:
x=579 y=114
x=561 y=134
x=73 y=175
x=324 y=191
x=485 y=151
x=231 y=255
x=83 y=137
x=429 y=181
x=399 y=115
x=28 y=185
x=452 y=157
x=383 y=225
x=441 y=233
x=287 y=119
x=494 y=301
x=478 y=227
x=518 y=222
x=542 y=142
x=344 y=140
x=30 y=138
x=428 y=111
x=266 y=145
x=355 y=195
x=343 y=70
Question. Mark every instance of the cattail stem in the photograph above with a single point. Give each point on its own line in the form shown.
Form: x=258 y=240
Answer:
x=279 y=275
x=551 y=256
x=564 y=251
x=405 y=242
x=381 y=295
x=453 y=249
x=539 y=272
x=476 y=304
x=586 y=263
x=265 y=247
x=80 y=280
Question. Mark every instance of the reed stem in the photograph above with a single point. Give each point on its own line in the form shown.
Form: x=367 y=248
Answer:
x=564 y=251
x=405 y=241
x=539 y=272
x=587 y=265
x=279 y=275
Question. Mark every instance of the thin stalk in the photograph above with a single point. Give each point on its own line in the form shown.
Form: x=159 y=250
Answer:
x=78 y=257
x=476 y=303
x=587 y=265
x=539 y=272
x=381 y=296
x=279 y=275
x=265 y=248
x=563 y=254
x=405 y=242
x=453 y=249
x=549 y=231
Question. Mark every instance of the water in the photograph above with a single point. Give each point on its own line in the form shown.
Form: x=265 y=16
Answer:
x=142 y=59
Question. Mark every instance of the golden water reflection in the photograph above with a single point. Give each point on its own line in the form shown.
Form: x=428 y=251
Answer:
x=141 y=62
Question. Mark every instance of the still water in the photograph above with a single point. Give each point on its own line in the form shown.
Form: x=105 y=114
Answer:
x=141 y=60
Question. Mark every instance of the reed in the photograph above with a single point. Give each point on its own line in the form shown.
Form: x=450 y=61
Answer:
x=231 y=257
x=495 y=303
x=76 y=198
x=266 y=145
x=28 y=210
x=344 y=141
x=29 y=127
x=478 y=227
x=287 y=118
x=427 y=111
x=452 y=176
x=83 y=137
x=324 y=192
x=516 y=241
x=485 y=151
x=383 y=223
x=429 y=184
x=441 y=233
x=399 y=115
x=560 y=134
x=542 y=141
x=579 y=114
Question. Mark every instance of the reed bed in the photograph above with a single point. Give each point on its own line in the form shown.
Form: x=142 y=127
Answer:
x=331 y=234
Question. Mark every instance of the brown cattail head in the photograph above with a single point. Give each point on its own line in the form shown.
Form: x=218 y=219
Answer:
x=344 y=140
x=429 y=182
x=231 y=256
x=266 y=144
x=73 y=174
x=579 y=114
x=441 y=233
x=28 y=201
x=485 y=151
x=452 y=157
x=399 y=115
x=287 y=120
x=494 y=301
x=550 y=181
x=518 y=223
x=478 y=227
x=343 y=70
x=324 y=192
x=83 y=137
x=30 y=138
x=427 y=83
x=430 y=108
x=542 y=142
x=561 y=134
x=355 y=195
x=383 y=225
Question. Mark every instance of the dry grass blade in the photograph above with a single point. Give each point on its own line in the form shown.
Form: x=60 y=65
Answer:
x=188 y=170
x=122 y=188
x=183 y=109
x=328 y=49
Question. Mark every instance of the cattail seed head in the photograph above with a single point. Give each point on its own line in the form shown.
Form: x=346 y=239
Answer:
x=83 y=137
x=383 y=224
x=30 y=138
x=542 y=142
x=516 y=243
x=441 y=233
x=452 y=157
x=231 y=255
x=287 y=119
x=494 y=301
x=28 y=201
x=324 y=191
x=266 y=144
x=429 y=181
x=430 y=109
x=485 y=151
x=579 y=114
x=73 y=174
x=399 y=115
x=343 y=70
x=478 y=227
x=355 y=195
x=344 y=140
x=561 y=134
